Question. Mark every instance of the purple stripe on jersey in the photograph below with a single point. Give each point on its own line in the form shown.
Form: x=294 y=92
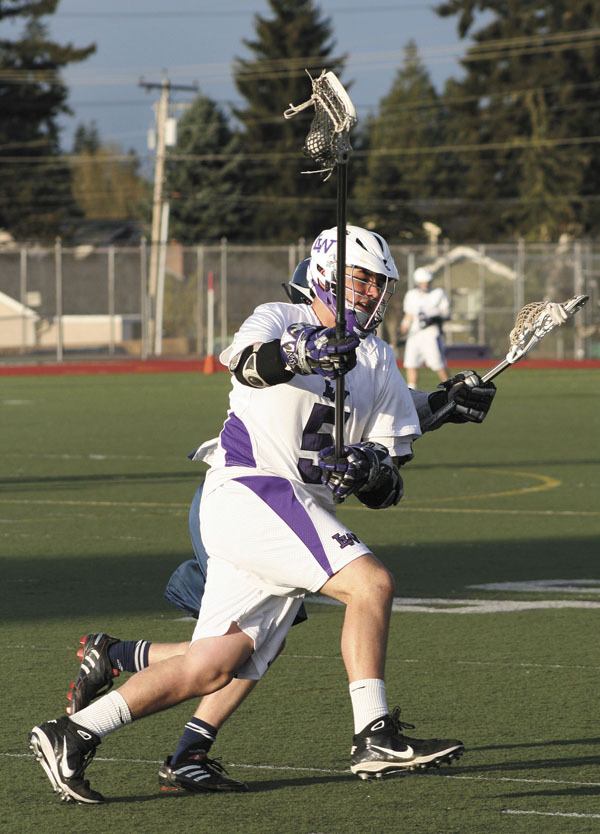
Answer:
x=278 y=494
x=235 y=440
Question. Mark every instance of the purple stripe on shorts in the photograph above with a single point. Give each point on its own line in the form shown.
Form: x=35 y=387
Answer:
x=278 y=494
x=235 y=440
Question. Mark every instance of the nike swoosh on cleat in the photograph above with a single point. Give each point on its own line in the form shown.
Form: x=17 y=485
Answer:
x=66 y=771
x=399 y=754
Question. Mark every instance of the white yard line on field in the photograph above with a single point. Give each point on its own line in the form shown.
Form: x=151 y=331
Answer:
x=344 y=772
x=573 y=814
x=335 y=657
x=405 y=507
x=422 y=605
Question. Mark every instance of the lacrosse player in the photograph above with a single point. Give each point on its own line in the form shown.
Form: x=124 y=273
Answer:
x=274 y=472
x=425 y=311
x=190 y=768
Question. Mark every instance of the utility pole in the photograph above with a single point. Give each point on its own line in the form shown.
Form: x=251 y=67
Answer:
x=159 y=210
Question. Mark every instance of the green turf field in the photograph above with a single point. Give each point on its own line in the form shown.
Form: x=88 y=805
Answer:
x=95 y=487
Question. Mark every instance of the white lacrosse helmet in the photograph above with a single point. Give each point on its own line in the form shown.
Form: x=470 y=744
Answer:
x=365 y=250
x=422 y=275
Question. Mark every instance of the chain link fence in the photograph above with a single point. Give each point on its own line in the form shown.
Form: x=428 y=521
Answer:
x=62 y=303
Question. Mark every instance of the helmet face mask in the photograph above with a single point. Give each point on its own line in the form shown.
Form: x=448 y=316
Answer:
x=371 y=276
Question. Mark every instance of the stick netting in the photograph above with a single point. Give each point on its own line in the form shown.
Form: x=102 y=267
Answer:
x=525 y=321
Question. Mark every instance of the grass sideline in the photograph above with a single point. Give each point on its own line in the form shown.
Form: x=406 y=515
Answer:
x=95 y=488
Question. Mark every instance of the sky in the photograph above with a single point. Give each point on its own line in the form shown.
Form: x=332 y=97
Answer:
x=196 y=41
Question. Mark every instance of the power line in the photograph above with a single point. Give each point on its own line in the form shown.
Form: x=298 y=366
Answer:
x=294 y=67
x=179 y=13
x=511 y=145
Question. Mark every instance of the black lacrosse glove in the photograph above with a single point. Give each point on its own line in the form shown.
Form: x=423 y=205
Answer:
x=306 y=349
x=365 y=469
x=472 y=397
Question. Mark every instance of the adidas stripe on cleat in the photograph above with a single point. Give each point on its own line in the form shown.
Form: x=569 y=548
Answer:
x=196 y=774
x=381 y=749
x=64 y=750
x=96 y=672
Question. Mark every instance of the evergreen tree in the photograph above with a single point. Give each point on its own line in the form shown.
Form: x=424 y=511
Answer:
x=285 y=203
x=86 y=138
x=206 y=193
x=35 y=180
x=106 y=182
x=529 y=80
x=395 y=192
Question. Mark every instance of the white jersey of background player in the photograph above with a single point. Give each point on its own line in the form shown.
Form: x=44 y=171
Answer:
x=425 y=310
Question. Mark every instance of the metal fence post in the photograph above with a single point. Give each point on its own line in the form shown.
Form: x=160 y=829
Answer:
x=578 y=289
x=292 y=260
x=143 y=298
x=59 y=299
x=111 y=299
x=519 y=291
x=23 y=296
x=410 y=268
x=223 y=288
x=481 y=316
x=200 y=300
x=447 y=282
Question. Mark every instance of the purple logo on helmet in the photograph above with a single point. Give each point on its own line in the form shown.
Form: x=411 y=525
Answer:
x=323 y=244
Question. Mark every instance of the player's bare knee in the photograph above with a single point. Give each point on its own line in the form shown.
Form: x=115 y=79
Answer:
x=364 y=581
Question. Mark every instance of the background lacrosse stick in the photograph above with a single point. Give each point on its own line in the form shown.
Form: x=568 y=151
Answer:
x=328 y=144
x=533 y=322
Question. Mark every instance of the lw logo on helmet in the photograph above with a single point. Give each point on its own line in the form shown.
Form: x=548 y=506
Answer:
x=322 y=244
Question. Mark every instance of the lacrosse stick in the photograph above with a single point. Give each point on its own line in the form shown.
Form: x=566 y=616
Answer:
x=533 y=323
x=328 y=144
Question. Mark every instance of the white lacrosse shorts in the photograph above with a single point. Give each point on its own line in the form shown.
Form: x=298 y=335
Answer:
x=425 y=347
x=269 y=542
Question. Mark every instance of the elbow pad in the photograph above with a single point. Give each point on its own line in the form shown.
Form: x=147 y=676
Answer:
x=260 y=365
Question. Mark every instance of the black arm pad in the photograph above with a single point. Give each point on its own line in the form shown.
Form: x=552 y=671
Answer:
x=262 y=365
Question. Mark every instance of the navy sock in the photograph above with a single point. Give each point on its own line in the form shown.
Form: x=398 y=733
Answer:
x=197 y=735
x=129 y=655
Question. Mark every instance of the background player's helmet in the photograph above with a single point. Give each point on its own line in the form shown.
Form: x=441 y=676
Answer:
x=297 y=288
x=422 y=276
x=364 y=249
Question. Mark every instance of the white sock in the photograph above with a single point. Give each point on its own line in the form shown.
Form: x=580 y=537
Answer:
x=369 y=702
x=105 y=715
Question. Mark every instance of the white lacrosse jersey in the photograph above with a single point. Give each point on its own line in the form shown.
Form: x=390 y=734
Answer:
x=280 y=430
x=427 y=305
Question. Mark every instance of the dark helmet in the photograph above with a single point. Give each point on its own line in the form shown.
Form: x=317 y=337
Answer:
x=297 y=288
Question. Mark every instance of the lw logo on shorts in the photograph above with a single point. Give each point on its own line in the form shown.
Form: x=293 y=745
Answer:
x=345 y=540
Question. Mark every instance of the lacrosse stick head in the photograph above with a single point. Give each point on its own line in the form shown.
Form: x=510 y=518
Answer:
x=536 y=320
x=328 y=140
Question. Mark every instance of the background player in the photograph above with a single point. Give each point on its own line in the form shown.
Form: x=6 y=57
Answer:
x=425 y=311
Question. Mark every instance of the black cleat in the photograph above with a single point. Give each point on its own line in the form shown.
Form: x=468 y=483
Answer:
x=96 y=672
x=196 y=774
x=64 y=750
x=381 y=749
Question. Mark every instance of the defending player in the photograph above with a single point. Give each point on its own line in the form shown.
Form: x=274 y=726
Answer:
x=425 y=311
x=274 y=471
